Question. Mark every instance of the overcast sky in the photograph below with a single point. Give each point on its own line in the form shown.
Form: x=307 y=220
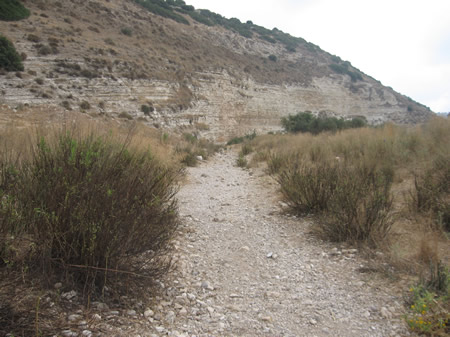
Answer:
x=405 y=44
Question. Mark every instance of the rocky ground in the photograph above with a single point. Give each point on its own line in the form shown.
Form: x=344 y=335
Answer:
x=245 y=268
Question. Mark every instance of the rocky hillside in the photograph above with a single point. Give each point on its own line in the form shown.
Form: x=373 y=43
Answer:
x=165 y=64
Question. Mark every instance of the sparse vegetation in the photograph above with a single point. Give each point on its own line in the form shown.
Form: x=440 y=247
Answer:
x=191 y=148
x=429 y=305
x=346 y=178
x=169 y=9
x=10 y=60
x=344 y=68
x=13 y=10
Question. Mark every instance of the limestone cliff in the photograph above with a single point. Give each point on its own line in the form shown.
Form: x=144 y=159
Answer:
x=111 y=58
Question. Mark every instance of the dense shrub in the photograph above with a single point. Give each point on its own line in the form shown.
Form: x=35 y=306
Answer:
x=162 y=8
x=307 y=122
x=343 y=68
x=91 y=207
x=353 y=201
x=360 y=207
x=147 y=109
x=12 y=10
x=10 y=60
x=308 y=187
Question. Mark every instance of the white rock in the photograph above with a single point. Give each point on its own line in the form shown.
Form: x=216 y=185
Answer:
x=73 y=318
x=148 y=313
x=69 y=295
x=385 y=313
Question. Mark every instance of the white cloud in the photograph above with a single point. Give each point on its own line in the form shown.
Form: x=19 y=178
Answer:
x=403 y=43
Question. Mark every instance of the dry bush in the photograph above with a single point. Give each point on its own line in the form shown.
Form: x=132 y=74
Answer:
x=92 y=207
x=360 y=207
x=305 y=186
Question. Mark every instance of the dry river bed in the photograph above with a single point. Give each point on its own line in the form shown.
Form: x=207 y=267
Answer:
x=245 y=268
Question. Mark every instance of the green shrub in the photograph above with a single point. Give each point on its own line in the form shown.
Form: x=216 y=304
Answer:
x=343 y=68
x=162 y=8
x=429 y=303
x=147 y=109
x=307 y=122
x=10 y=60
x=273 y=58
x=12 y=10
x=239 y=140
x=126 y=31
x=92 y=206
x=85 y=105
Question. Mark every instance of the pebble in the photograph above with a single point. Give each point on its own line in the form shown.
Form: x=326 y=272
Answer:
x=74 y=317
x=148 y=313
x=69 y=295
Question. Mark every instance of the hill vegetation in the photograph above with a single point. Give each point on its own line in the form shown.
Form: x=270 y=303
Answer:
x=13 y=10
x=10 y=60
x=307 y=122
x=173 y=9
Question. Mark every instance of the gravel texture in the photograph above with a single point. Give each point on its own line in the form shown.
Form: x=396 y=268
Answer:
x=245 y=268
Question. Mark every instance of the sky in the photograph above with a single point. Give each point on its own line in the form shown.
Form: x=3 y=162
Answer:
x=405 y=44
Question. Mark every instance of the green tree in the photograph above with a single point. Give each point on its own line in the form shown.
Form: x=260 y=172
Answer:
x=12 y=10
x=10 y=60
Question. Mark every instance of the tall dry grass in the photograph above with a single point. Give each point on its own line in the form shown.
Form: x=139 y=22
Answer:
x=348 y=176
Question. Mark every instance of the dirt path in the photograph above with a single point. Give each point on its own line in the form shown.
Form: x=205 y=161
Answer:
x=244 y=269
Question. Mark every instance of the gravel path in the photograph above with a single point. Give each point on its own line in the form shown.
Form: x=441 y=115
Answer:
x=245 y=269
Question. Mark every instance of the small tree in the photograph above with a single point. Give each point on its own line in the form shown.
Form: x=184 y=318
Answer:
x=10 y=60
x=12 y=10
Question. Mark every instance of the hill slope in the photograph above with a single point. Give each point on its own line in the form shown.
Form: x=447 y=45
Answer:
x=223 y=77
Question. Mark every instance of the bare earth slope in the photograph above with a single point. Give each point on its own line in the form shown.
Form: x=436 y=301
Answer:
x=246 y=270
x=109 y=58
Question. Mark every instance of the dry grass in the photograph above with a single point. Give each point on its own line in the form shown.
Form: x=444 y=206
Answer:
x=420 y=151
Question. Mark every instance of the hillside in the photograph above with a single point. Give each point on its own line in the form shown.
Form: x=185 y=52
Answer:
x=183 y=68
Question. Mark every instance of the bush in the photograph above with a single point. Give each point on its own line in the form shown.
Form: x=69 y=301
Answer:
x=307 y=122
x=353 y=201
x=13 y=10
x=307 y=187
x=92 y=207
x=273 y=58
x=126 y=31
x=10 y=60
x=147 y=109
x=431 y=191
x=85 y=105
x=359 y=210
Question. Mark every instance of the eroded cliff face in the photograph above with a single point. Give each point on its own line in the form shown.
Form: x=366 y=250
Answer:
x=205 y=79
